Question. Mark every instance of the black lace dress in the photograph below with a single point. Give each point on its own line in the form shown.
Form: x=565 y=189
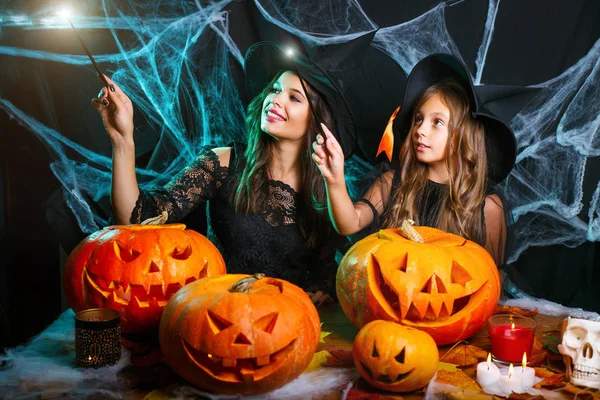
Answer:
x=270 y=242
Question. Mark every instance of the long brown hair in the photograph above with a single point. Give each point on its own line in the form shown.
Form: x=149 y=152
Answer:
x=466 y=159
x=252 y=193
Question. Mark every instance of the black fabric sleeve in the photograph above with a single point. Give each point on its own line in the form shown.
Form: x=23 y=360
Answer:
x=197 y=183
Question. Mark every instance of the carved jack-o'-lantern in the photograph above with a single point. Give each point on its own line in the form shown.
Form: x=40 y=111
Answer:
x=395 y=357
x=135 y=269
x=447 y=286
x=238 y=334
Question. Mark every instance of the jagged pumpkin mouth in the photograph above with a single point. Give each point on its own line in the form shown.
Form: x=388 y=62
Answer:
x=238 y=370
x=385 y=378
x=144 y=295
x=433 y=302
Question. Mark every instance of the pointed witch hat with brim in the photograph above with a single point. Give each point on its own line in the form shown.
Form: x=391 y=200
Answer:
x=493 y=105
x=330 y=69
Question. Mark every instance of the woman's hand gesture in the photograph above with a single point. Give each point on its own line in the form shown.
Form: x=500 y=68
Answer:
x=329 y=157
x=116 y=111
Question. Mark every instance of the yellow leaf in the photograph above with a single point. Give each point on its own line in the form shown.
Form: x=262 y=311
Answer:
x=447 y=366
x=323 y=336
x=458 y=379
x=157 y=395
x=319 y=358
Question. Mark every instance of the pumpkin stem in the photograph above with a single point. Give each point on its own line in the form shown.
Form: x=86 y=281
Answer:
x=244 y=284
x=158 y=220
x=410 y=232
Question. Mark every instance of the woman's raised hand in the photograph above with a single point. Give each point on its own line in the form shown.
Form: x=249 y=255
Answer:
x=116 y=110
x=329 y=157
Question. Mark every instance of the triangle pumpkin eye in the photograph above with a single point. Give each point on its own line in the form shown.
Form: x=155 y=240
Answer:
x=182 y=254
x=375 y=353
x=267 y=322
x=124 y=252
x=460 y=274
x=400 y=357
x=217 y=323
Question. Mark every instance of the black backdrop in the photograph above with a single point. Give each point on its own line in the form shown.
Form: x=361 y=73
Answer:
x=533 y=42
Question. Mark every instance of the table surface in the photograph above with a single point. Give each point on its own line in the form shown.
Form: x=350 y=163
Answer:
x=151 y=381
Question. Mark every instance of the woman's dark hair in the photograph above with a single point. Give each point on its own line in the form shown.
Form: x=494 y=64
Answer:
x=252 y=193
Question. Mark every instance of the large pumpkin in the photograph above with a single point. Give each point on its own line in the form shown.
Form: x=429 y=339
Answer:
x=395 y=357
x=447 y=286
x=238 y=334
x=135 y=269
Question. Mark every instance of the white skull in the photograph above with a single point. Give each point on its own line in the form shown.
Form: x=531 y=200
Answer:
x=581 y=343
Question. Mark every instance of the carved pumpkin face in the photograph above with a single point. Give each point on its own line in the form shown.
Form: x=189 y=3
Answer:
x=394 y=357
x=447 y=286
x=239 y=343
x=135 y=269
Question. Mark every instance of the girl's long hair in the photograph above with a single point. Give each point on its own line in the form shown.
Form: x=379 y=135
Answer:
x=252 y=193
x=466 y=159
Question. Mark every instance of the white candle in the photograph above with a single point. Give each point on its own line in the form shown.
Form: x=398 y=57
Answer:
x=527 y=374
x=511 y=382
x=488 y=374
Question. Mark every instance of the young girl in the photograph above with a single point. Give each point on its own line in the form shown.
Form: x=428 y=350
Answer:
x=453 y=152
x=266 y=197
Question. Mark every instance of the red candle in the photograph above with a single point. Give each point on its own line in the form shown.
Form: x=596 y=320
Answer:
x=511 y=336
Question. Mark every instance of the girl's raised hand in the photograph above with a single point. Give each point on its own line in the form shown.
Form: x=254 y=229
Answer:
x=116 y=111
x=329 y=157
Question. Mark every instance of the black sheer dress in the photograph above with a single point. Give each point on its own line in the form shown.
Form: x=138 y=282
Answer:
x=270 y=242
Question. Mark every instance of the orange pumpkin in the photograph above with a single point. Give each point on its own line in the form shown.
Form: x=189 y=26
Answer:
x=447 y=286
x=394 y=357
x=135 y=269
x=238 y=334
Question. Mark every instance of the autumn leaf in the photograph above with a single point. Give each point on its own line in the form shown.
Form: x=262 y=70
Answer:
x=360 y=394
x=323 y=335
x=539 y=354
x=463 y=355
x=542 y=372
x=458 y=379
x=515 y=310
x=339 y=358
x=581 y=394
x=525 y=396
x=157 y=395
x=319 y=359
x=554 y=381
x=447 y=366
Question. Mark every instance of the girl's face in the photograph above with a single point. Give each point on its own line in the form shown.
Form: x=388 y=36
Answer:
x=430 y=133
x=286 y=110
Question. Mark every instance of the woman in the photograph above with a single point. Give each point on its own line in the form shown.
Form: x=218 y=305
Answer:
x=266 y=198
x=453 y=153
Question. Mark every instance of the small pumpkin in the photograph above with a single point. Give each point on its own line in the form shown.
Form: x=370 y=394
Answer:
x=394 y=357
x=446 y=285
x=135 y=269
x=239 y=334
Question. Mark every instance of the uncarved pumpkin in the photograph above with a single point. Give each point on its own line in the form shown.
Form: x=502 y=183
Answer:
x=135 y=269
x=394 y=357
x=447 y=286
x=238 y=334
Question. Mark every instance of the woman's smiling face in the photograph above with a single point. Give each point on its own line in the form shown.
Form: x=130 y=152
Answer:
x=285 y=110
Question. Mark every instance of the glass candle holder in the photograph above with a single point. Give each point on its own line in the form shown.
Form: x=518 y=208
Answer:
x=97 y=337
x=510 y=337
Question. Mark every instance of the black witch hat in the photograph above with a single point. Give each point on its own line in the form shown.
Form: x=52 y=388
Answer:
x=493 y=105
x=330 y=70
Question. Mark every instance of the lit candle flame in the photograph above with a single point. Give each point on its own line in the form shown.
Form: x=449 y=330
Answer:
x=489 y=360
x=524 y=360
x=512 y=326
x=510 y=370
